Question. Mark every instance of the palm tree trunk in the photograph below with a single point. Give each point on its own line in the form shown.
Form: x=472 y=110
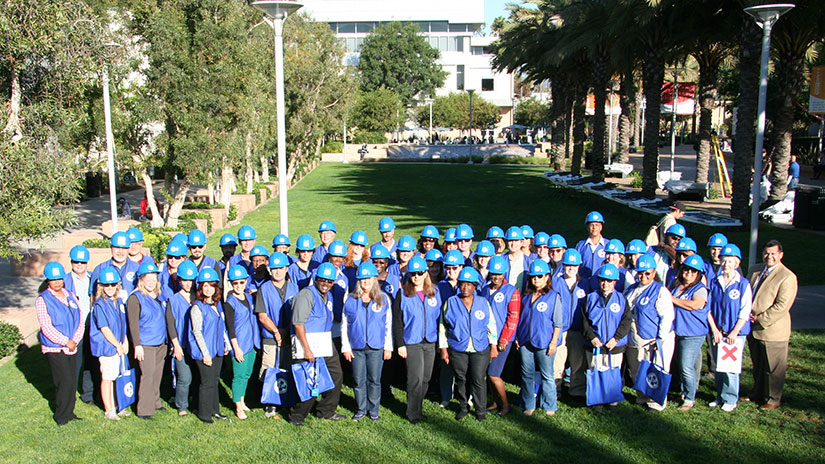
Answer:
x=626 y=91
x=708 y=75
x=790 y=72
x=637 y=118
x=557 y=124
x=601 y=76
x=653 y=78
x=579 y=112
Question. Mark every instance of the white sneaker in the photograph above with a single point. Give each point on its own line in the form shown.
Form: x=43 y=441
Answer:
x=124 y=413
x=656 y=406
x=111 y=415
x=728 y=407
x=713 y=404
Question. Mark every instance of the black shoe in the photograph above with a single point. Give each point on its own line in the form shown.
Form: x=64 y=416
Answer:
x=160 y=408
x=89 y=402
x=297 y=423
x=75 y=418
x=336 y=417
x=205 y=420
x=415 y=421
x=481 y=417
x=219 y=416
x=146 y=417
x=461 y=414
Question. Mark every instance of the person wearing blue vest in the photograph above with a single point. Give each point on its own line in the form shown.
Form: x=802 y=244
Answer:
x=177 y=329
x=428 y=240
x=77 y=283
x=415 y=314
x=690 y=298
x=468 y=339
x=386 y=227
x=505 y=300
x=665 y=252
x=538 y=336
x=244 y=335
x=146 y=317
x=613 y=254
x=208 y=342
x=464 y=241
x=571 y=347
x=281 y=244
x=481 y=259
x=257 y=270
x=716 y=242
x=356 y=254
x=107 y=336
x=635 y=249
x=447 y=287
x=312 y=317
x=435 y=264
x=120 y=261
x=518 y=264
x=196 y=241
x=338 y=294
x=606 y=321
x=540 y=244
x=366 y=339
x=228 y=244
x=247 y=237
x=528 y=242
x=495 y=235
x=326 y=232
x=652 y=308
x=273 y=309
x=136 y=246
x=405 y=251
x=556 y=245
x=60 y=332
x=592 y=248
x=686 y=247
x=389 y=282
x=175 y=255
x=450 y=239
x=731 y=302
x=300 y=272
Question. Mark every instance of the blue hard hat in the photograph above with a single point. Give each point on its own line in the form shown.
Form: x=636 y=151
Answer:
x=449 y=235
x=636 y=247
x=305 y=243
x=539 y=268
x=608 y=272
x=571 y=257
x=731 y=250
x=280 y=239
x=614 y=246
x=53 y=271
x=468 y=274
x=147 y=267
x=453 y=258
x=120 y=240
x=686 y=244
x=337 y=248
x=541 y=239
x=677 y=230
x=497 y=265
x=514 y=233
x=430 y=232
x=527 y=231
x=557 y=241
x=359 y=237
x=326 y=271
x=327 y=225
x=247 y=233
x=135 y=235
x=717 y=240
x=79 y=254
x=495 y=232
x=485 y=248
x=645 y=263
x=228 y=239
x=406 y=243
x=176 y=248
x=181 y=237
x=208 y=274
x=417 y=264
x=463 y=232
x=187 y=270
x=594 y=216
x=434 y=255
x=386 y=224
x=196 y=238
x=258 y=250
x=695 y=262
x=237 y=272
x=366 y=270
x=380 y=252
x=278 y=260
x=109 y=275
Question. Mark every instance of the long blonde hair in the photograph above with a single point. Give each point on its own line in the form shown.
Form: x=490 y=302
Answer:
x=376 y=294
x=99 y=293
x=142 y=288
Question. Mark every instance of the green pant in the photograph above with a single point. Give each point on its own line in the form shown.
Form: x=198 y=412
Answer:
x=242 y=371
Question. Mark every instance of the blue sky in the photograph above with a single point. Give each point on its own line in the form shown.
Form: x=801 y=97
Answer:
x=494 y=8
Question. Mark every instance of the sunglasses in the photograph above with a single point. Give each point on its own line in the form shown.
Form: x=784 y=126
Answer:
x=427 y=239
x=417 y=274
x=324 y=281
x=196 y=246
x=175 y=257
x=239 y=282
x=648 y=273
x=109 y=285
x=690 y=270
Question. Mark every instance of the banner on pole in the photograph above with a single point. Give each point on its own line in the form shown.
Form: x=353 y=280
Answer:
x=687 y=98
x=817 y=99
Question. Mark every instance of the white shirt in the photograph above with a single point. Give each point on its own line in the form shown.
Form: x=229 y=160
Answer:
x=84 y=300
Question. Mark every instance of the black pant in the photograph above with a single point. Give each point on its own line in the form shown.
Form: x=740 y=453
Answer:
x=64 y=376
x=472 y=367
x=329 y=399
x=208 y=402
x=88 y=369
x=420 y=359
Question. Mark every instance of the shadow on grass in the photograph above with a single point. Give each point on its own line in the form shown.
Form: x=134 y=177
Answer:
x=34 y=367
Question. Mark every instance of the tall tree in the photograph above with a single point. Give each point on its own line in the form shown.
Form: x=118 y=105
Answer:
x=378 y=111
x=453 y=111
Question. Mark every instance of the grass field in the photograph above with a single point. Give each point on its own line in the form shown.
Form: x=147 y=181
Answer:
x=355 y=197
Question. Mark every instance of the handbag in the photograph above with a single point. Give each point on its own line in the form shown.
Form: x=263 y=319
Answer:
x=729 y=357
x=319 y=342
x=604 y=386
x=125 y=385
x=279 y=386
x=311 y=378
x=651 y=378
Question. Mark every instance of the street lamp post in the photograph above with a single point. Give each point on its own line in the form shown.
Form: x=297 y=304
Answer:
x=110 y=141
x=470 y=137
x=275 y=13
x=766 y=16
x=675 y=96
x=430 y=132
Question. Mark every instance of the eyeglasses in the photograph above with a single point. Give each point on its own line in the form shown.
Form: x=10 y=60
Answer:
x=417 y=273
x=452 y=268
x=650 y=273
x=239 y=282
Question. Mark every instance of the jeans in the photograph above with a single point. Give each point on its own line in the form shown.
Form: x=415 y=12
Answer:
x=727 y=383
x=183 y=380
x=366 y=371
x=690 y=363
x=531 y=358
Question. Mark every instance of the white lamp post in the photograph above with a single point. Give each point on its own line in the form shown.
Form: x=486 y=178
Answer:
x=110 y=142
x=675 y=96
x=766 y=16
x=470 y=137
x=430 y=132
x=275 y=13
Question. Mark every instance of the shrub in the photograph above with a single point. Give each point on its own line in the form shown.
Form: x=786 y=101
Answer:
x=713 y=194
x=201 y=205
x=199 y=215
x=369 y=137
x=233 y=213
x=637 y=179
x=96 y=243
x=10 y=338
x=333 y=146
x=157 y=240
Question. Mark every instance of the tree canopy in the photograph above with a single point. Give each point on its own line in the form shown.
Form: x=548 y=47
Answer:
x=453 y=110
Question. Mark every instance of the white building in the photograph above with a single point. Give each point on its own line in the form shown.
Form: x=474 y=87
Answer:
x=451 y=26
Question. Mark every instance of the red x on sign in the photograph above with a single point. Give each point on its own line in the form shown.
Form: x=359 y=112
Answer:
x=729 y=352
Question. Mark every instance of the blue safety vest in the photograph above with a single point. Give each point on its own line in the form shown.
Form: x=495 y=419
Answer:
x=391 y=286
x=300 y=277
x=206 y=262
x=499 y=302
x=535 y=325
x=319 y=255
x=691 y=323
x=591 y=259
x=168 y=284
x=420 y=318
x=152 y=321
x=280 y=311
x=128 y=275
x=68 y=283
x=445 y=290
x=605 y=317
x=572 y=301
x=320 y=318
x=594 y=281
x=366 y=327
x=644 y=310
x=726 y=303
x=213 y=331
x=65 y=317
x=462 y=325
x=111 y=314
x=180 y=313
x=246 y=323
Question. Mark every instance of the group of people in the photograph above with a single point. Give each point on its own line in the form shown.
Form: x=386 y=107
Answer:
x=447 y=310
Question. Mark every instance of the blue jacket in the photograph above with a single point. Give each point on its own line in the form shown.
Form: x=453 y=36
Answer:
x=213 y=330
x=152 y=320
x=65 y=317
x=539 y=320
x=106 y=313
x=462 y=325
x=366 y=327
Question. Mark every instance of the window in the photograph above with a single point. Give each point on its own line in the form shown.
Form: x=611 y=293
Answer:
x=459 y=77
x=458 y=27
x=476 y=50
x=459 y=44
x=423 y=25
x=346 y=28
x=438 y=26
x=487 y=85
x=446 y=43
x=365 y=27
x=334 y=27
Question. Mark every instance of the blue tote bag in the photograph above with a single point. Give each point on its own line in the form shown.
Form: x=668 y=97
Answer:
x=311 y=378
x=125 y=385
x=279 y=387
x=604 y=386
x=652 y=380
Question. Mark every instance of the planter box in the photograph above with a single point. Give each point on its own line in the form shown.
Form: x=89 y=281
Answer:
x=264 y=195
x=32 y=262
x=202 y=225
x=77 y=238
x=122 y=226
x=273 y=189
x=244 y=202
x=218 y=217
x=26 y=320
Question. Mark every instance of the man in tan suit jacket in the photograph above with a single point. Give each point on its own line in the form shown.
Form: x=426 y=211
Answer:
x=774 y=291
